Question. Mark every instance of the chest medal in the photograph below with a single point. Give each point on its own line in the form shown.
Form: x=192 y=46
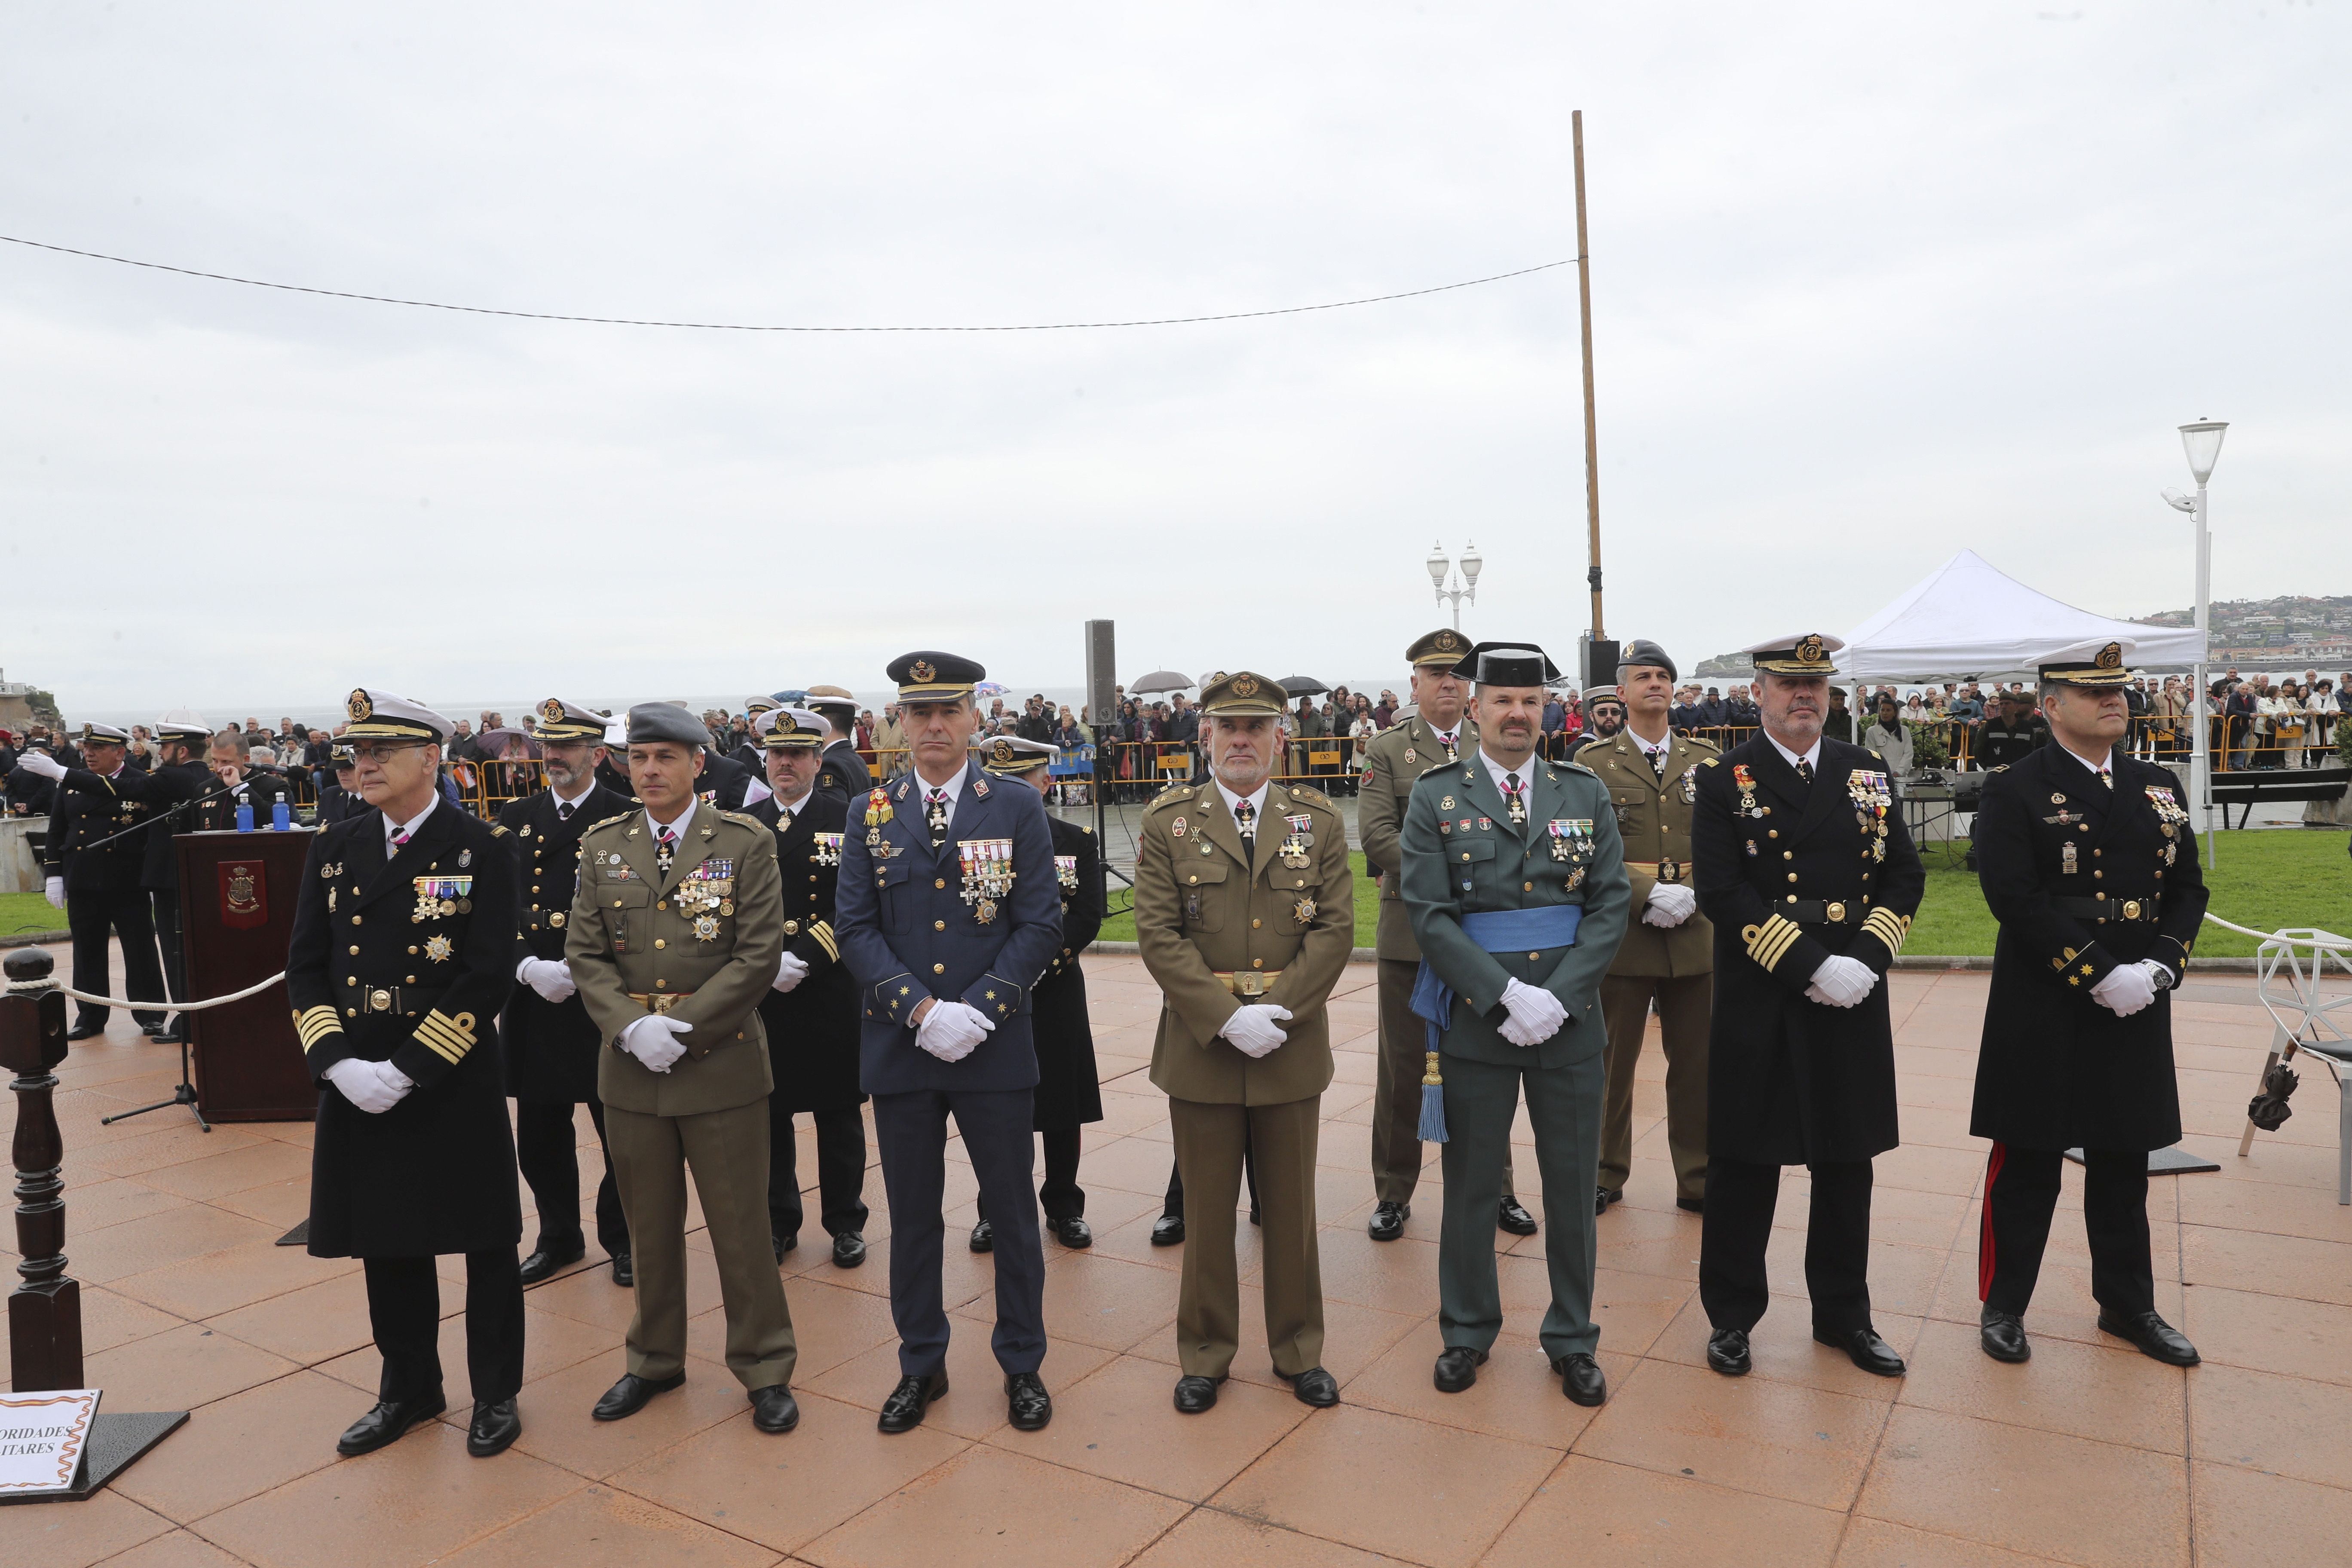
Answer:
x=441 y=897
x=1304 y=910
x=437 y=948
x=1066 y=872
x=824 y=848
x=987 y=874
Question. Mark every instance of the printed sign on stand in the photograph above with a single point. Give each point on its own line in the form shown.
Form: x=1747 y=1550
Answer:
x=41 y=1438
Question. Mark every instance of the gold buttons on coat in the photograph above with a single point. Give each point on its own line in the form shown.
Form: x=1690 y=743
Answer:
x=660 y=942
x=1257 y=964
x=1793 y=876
x=412 y=951
x=1253 y=925
x=939 y=925
x=355 y=919
x=1526 y=887
x=661 y=903
x=940 y=882
x=1787 y=855
x=355 y=950
x=939 y=969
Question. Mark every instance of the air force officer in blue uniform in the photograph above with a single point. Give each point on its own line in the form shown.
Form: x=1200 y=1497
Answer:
x=947 y=912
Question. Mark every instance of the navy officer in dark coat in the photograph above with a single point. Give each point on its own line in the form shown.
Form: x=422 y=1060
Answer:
x=96 y=856
x=402 y=955
x=947 y=915
x=1803 y=865
x=2088 y=863
x=811 y=1010
x=550 y=1042
x=1069 y=1092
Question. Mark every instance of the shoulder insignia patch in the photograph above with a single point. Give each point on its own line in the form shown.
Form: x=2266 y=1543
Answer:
x=1579 y=768
x=498 y=830
x=605 y=822
x=1710 y=762
x=744 y=819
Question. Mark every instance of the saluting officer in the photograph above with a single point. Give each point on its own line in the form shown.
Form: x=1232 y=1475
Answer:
x=2089 y=863
x=1069 y=1094
x=96 y=860
x=1245 y=914
x=402 y=954
x=844 y=771
x=947 y=915
x=1440 y=732
x=1805 y=868
x=1516 y=883
x=1667 y=959
x=552 y=1044
x=811 y=1008
x=673 y=939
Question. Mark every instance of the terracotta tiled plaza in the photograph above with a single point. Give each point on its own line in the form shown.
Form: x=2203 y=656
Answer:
x=2090 y=1454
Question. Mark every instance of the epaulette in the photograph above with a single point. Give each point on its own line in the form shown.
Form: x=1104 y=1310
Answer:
x=1082 y=828
x=744 y=819
x=1577 y=768
x=1311 y=796
x=606 y=822
x=1710 y=762
x=1701 y=741
x=1433 y=768
x=498 y=830
x=1173 y=794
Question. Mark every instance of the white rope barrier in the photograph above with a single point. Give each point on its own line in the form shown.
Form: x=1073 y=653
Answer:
x=2298 y=936
x=150 y=1004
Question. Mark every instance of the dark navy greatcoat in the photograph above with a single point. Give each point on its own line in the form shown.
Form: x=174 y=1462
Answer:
x=2057 y=1071
x=906 y=933
x=1069 y=1092
x=813 y=1027
x=1790 y=1080
x=369 y=978
x=551 y=1046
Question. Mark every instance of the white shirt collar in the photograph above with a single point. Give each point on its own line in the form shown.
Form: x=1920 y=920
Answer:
x=676 y=828
x=2103 y=766
x=1256 y=801
x=1447 y=737
x=1811 y=758
x=576 y=801
x=392 y=828
x=952 y=789
x=1649 y=749
x=1494 y=770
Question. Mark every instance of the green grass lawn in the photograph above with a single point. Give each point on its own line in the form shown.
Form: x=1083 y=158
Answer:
x=2266 y=880
x=21 y=913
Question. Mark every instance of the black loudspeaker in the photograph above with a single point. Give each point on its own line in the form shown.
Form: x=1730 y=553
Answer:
x=1102 y=677
x=1600 y=660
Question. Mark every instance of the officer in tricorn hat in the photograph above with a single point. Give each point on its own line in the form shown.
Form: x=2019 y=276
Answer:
x=2090 y=866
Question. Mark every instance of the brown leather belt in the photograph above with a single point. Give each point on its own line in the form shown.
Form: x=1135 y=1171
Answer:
x=659 y=1001
x=2101 y=908
x=1247 y=982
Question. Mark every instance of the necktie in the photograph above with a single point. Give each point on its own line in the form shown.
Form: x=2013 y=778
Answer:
x=399 y=838
x=664 y=850
x=1804 y=770
x=2106 y=778
x=1245 y=818
x=1516 y=792
x=1658 y=761
x=562 y=811
x=935 y=814
x=1447 y=742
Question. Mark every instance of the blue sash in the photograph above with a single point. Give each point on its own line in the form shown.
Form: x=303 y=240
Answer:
x=1497 y=931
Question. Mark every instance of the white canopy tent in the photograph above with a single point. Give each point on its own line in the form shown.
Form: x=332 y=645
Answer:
x=1968 y=621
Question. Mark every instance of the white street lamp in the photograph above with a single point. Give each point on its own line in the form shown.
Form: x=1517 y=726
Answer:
x=1470 y=565
x=2202 y=443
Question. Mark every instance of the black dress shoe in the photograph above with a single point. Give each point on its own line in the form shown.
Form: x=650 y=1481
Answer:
x=177 y=1035
x=783 y=1244
x=92 y=1032
x=385 y=1422
x=1168 y=1230
x=1515 y=1218
x=1387 y=1220
x=544 y=1263
x=625 y=1271
x=153 y=1031
x=1603 y=1196
x=1582 y=1379
x=2002 y=1335
x=848 y=1249
x=494 y=1429
x=1457 y=1368
x=903 y=1411
x=1072 y=1232
x=1694 y=1205
x=2153 y=1335
x=1026 y=1404
x=1864 y=1348
x=1314 y=1387
x=1256 y=1219
x=1195 y=1395
x=984 y=1237
x=631 y=1393
x=1727 y=1351
x=774 y=1409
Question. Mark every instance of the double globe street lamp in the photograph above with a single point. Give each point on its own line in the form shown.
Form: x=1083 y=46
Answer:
x=1470 y=563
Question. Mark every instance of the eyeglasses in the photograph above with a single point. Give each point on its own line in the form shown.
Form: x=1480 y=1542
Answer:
x=377 y=751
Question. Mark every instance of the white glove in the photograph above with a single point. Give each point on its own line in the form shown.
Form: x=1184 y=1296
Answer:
x=1252 y=1028
x=2127 y=988
x=365 y=1085
x=650 y=1040
x=1536 y=1015
x=952 y=1030
x=550 y=977
x=1671 y=903
x=791 y=970
x=55 y=889
x=1842 y=982
x=42 y=765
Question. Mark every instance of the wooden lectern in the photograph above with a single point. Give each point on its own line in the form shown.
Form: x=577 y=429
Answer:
x=237 y=920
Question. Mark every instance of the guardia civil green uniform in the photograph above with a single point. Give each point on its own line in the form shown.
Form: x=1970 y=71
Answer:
x=695 y=935
x=1530 y=890
x=1225 y=921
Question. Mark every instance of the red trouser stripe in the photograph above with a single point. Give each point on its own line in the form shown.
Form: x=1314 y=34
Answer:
x=1984 y=1231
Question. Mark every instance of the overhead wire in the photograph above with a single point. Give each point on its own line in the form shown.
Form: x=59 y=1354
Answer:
x=753 y=327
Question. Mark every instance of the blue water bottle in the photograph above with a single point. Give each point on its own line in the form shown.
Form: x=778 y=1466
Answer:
x=245 y=817
x=280 y=819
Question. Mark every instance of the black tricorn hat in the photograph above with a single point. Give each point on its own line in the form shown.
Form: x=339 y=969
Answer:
x=1507 y=664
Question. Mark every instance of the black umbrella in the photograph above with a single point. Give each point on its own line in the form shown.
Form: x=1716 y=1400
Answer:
x=1302 y=686
x=1162 y=681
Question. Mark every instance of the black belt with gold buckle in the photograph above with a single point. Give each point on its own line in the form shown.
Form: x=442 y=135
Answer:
x=402 y=1000
x=2103 y=908
x=1820 y=911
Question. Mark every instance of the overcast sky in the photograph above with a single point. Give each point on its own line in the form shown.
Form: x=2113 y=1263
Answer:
x=1870 y=283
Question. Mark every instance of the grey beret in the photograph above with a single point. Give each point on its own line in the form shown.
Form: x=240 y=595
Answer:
x=665 y=721
x=1641 y=650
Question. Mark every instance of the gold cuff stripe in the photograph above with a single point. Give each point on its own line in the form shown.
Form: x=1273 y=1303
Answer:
x=1889 y=928
x=1772 y=941
x=822 y=932
x=315 y=1023
x=444 y=1037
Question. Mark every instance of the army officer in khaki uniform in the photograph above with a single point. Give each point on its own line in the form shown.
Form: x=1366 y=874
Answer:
x=1668 y=954
x=677 y=932
x=1246 y=914
x=1440 y=732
